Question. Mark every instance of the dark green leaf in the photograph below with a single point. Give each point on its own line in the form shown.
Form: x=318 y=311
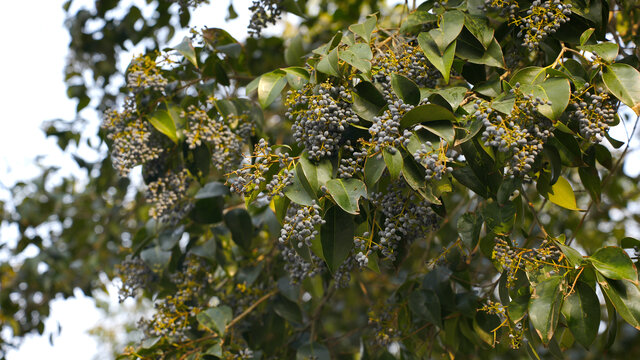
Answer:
x=215 y=319
x=406 y=89
x=469 y=225
x=440 y=60
x=294 y=52
x=336 y=235
x=373 y=168
x=480 y=29
x=492 y=57
x=356 y=61
x=212 y=189
x=544 y=307
x=582 y=311
x=239 y=223
x=607 y=51
x=300 y=192
x=629 y=243
x=156 y=258
x=316 y=173
x=625 y=297
x=425 y=305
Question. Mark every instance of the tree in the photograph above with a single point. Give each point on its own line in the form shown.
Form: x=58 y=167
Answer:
x=429 y=181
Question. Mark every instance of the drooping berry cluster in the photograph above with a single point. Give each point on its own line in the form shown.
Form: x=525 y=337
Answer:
x=320 y=114
x=263 y=13
x=540 y=20
x=594 y=112
x=407 y=60
x=135 y=275
x=299 y=228
x=383 y=325
x=435 y=160
x=174 y=313
x=226 y=146
x=257 y=167
x=135 y=141
x=513 y=258
x=168 y=196
x=351 y=161
x=406 y=217
x=143 y=73
x=297 y=267
x=385 y=131
x=521 y=133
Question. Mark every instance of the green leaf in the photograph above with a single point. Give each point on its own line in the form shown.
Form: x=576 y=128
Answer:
x=450 y=27
x=499 y=219
x=365 y=29
x=269 y=87
x=573 y=256
x=581 y=309
x=354 y=60
x=336 y=235
x=625 y=297
x=367 y=100
x=492 y=57
x=416 y=19
x=393 y=162
x=346 y=193
x=156 y=258
x=329 y=63
x=614 y=263
x=586 y=35
x=544 y=307
x=480 y=29
x=186 y=49
x=562 y=194
x=469 y=226
x=425 y=305
x=453 y=95
x=558 y=91
x=297 y=77
x=317 y=173
x=624 y=83
x=239 y=223
x=163 y=122
x=440 y=60
x=212 y=189
x=363 y=51
x=208 y=210
x=606 y=50
x=629 y=243
x=215 y=349
x=300 y=192
x=406 y=89
x=373 y=168
x=294 y=52
x=591 y=182
x=528 y=75
x=215 y=319
x=434 y=118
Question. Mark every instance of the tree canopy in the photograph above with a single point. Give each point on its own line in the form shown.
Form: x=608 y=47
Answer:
x=430 y=180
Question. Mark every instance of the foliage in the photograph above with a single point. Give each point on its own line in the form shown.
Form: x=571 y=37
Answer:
x=436 y=187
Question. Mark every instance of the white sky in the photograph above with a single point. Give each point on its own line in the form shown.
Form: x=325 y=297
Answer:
x=32 y=90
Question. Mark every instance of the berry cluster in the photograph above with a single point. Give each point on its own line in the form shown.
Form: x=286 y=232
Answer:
x=434 y=160
x=594 y=113
x=540 y=20
x=320 y=115
x=167 y=194
x=351 y=161
x=407 y=60
x=515 y=331
x=406 y=216
x=297 y=267
x=134 y=139
x=299 y=228
x=257 y=167
x=135 y=275
x=512 y=258
x=385 y=131
x=521 y=133
x=382 y=323
x=174 y=313
x=226 y=146
x=263 y=13
x=143 y=73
